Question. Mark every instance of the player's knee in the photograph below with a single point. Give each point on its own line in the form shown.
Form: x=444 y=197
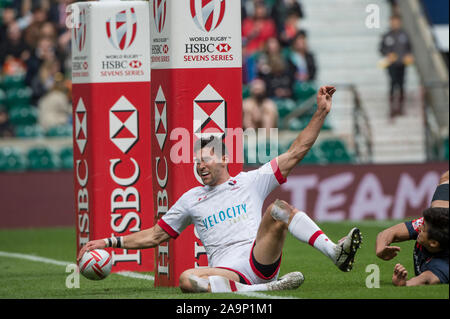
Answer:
x=282 y=212
x=184 y=282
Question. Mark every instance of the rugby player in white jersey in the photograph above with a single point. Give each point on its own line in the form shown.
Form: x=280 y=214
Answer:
x=243 y=246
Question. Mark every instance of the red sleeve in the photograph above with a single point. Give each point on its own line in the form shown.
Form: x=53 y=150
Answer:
x=277 y=172
x=172 y=233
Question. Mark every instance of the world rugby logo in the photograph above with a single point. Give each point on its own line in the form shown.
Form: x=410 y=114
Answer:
x=207 y=14
x=121 y=29
x=79 y=33
x=159 y=14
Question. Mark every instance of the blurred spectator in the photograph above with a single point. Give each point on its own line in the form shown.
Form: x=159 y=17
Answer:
x=291 y=28
x=302 y=58
x=256 y=29
x=277 y=72
x=55 y=107
x=8 y=16
x=48 y=30
x=6 y=129
x=58 y=14
x=60 y=43
x=46 y=78
x=287 y=14
x=396 y=48
x=32 y=31
x=258 y=110
x=13 y=46
x=45 y=51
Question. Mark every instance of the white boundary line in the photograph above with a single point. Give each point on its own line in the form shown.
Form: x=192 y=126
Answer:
x=128 y=274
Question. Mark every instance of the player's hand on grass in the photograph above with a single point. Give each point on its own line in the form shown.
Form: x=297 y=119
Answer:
x=95 y=244
x=324 y=98
x=388 y=252
x=400 y=275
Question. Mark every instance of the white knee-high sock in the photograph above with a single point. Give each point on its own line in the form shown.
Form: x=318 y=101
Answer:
x=222 y=284
x=306 y=230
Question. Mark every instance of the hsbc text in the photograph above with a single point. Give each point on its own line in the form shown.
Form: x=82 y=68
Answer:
x=199 y=48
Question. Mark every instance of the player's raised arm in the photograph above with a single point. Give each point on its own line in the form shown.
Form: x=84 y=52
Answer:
x=394 y=234
x=306 y=139
x=147 y=238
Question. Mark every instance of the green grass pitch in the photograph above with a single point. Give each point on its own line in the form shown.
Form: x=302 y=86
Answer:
x=21 y=278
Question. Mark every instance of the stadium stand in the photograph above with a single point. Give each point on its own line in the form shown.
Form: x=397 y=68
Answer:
x=41 y=158
x=11 y=160
x=345 y=54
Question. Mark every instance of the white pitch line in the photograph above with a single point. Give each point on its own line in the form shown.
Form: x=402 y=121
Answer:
x=261 y=295
x=128 y=274
x=34 y=258
x=135 y=275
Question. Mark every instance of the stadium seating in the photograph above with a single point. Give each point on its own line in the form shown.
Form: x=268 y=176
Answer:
x=285 y=107
x=41 y=158
x=28 y=131
x=335 y=151
x=23 y=115
x=303 y=91
x=59 y=131
x=12 y=81
x=259 y=153
x=11 y=160
x=66 y=158
x=446 y=150
x=245 y=91
x=18 y=96
x=2 y=98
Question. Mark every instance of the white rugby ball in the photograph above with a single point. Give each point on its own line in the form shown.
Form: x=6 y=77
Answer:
x=95 y=264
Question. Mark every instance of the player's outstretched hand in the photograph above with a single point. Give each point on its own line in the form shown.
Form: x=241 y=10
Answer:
x=388 y=252
x=95 y=244
x=324 y=98
x=400 y=275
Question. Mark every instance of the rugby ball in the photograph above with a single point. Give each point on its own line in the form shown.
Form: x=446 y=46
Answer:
x=95 y=264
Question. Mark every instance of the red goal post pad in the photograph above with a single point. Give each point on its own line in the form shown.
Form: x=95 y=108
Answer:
x=111 y=112
x=196 y=92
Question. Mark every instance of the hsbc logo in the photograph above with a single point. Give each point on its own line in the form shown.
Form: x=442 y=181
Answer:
x=81 y=125
x=161 y=118
x=160 y=49
x=123 y=124
x=160 y=14
x=135 y=64
x=207 y=14
x=210 y=114
x=121 y=29
x=80 y=33
x=223 y=47
x=161 y=176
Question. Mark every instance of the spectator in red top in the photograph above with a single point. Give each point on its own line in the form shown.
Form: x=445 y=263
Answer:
x=257 y=29
x=287 y=14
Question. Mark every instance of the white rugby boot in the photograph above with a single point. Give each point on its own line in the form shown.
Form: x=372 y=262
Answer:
x=290 y=281
x=346 y=250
